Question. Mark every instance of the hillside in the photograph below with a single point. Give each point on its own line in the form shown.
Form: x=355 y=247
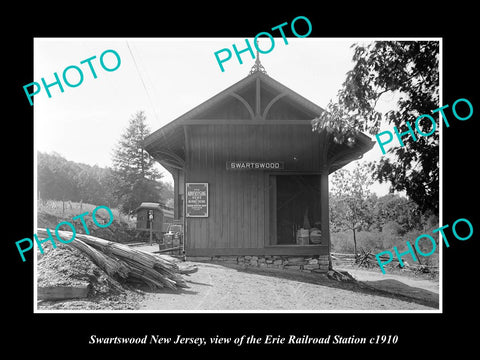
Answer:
x=50 y=213
x=62 y=179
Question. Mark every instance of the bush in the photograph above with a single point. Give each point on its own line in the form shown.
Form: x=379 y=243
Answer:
x=392 y=228
x=372 y=240
x=342 y=242
x=425 y=245
x=385 y=240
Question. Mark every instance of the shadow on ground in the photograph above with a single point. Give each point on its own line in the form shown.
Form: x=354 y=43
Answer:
x=399 y=289
x=389 y=288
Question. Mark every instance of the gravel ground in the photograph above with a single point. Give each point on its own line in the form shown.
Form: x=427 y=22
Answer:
x=219 y=287
x=66 y=266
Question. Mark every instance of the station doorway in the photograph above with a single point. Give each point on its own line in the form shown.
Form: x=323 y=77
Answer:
x=294 y=204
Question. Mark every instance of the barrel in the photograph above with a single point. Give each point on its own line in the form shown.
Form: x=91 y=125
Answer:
x=315 y=236
x=303 y=237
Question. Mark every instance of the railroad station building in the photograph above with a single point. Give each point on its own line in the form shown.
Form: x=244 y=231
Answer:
x=250 y=175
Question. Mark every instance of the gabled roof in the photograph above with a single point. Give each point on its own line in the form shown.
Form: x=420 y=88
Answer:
x=256 y=99
x=168 y=141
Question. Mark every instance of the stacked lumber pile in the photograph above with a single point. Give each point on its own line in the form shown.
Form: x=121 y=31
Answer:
x=127 y=264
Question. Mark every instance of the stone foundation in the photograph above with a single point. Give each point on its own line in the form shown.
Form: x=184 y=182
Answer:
x=310 y=263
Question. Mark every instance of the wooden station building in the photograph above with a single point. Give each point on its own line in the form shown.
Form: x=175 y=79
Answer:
x=249 y=172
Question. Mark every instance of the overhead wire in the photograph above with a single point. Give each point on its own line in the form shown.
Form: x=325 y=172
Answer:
x=143 y=82
x=166 y=142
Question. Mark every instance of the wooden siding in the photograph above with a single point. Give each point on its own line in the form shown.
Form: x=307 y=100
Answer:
x=239 y=200
x=210 y=146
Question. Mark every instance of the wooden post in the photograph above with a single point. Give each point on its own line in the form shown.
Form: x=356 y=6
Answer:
x=176 y=206
x=150 y=232
x=324 y=212
x=150 y=224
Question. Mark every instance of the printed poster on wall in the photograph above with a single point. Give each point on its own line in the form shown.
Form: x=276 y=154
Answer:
x=197 y=199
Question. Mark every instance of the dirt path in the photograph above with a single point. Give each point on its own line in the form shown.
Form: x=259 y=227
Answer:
x=218 y=287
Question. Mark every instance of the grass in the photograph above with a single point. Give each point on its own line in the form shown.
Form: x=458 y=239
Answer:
x=377 y=241
x=69 y=209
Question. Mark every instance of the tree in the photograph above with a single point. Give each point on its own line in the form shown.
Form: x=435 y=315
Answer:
x=409 y=71
x=168 y=194
x=350 y=204
x=136 y=177
x=56 y=177
x=61 y=179
x=394 y=208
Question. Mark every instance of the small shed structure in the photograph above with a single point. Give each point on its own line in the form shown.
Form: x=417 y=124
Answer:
x=250 y=173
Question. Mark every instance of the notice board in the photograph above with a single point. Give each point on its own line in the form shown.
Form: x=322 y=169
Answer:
x=196 y=199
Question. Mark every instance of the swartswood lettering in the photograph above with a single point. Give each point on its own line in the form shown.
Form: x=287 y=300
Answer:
x=117 y=340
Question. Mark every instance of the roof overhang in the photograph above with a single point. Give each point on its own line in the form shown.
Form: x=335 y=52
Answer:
x=168 y=144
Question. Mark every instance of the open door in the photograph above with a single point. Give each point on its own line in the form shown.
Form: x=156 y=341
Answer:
x=294 y=204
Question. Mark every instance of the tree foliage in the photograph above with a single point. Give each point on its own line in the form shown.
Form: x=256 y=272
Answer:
x=409 y=71
x=351 y=202
x=394 y=211
x=61 y=179
x=132 y=180
x=136 y=179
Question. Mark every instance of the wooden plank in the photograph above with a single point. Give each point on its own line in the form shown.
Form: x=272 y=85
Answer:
x=247 y=190
x=62 y=292
x=232 y=220
x=255 y=213
x=216 y=181
x=208 y=172
x=324 y=208
x=299 y=141
x=169 y=249
x=260 y=195
x=262 y=211
x=240 y=216
x=272 y=210
x=223 y=205
x=247 y=211
x=220 y=185
x=257 y=98
x=249 y=208
x=229 y=194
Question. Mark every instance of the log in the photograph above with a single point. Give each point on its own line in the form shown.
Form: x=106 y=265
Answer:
x=110 y=266
x=169 y=249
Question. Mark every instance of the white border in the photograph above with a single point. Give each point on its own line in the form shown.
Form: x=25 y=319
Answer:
x=434 y=311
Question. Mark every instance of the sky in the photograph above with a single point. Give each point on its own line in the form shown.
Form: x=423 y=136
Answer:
x=165 y=77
